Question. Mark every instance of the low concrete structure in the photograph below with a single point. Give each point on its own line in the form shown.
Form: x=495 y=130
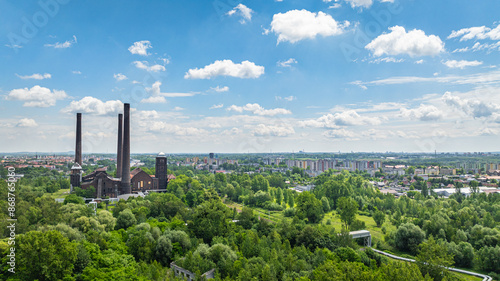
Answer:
x=184 y=273
x=365 y=234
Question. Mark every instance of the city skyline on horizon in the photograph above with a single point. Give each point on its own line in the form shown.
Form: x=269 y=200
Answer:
x=238 y=77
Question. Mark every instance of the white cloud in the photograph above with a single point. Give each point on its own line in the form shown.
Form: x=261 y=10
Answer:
x=95 y=106
x=220 y=89
x=215 y=106
x=389 y=59
x=419 y=62
x=270 y=130
x=37 y=96
x=243 y=11
x=245 y=69
x=422 y=113
x=492 y=77
x=461 y=64
x=487 y=132
x=146 y=114
x=345 y=118
x=169 y=128
x=413 y=43
x=287 y=63
x=360 y=3
x=158 y=97
x=145 y=65
x=27 y=122
x=477 y=32
x=140 y=48
x=36 y=76
x=120 y=77
x=259 y=110
x=340 y=134
x=474 y=108
x=63 y=45
x=289 y=98
x=296 y=25
x=335 y=6
x=177 y=108
x=76 y=72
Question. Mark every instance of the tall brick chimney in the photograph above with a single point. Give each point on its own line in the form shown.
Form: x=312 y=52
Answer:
x=120 y=147
x=78 y=149
x=125 y=182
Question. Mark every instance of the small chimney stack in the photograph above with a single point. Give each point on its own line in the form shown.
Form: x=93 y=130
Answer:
x=78 y=149
x=120 y=147
x=125 y=182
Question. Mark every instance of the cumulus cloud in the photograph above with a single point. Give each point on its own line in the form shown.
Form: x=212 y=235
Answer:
x=461 y=64
x=35 y=76
x=422 y=113
x=340 y=134
x=289 y=98
x=245 y=69
x=120 y=77
x=215 y=106
x=37 y=96
x=146 y=114
x=145 y=65
x=473 y=108
x=345 y=118
x=243 y=11
x=287 y=63
x=95 y=106
x=389 y=59
x=487 y=132
x=413 y=43
x=140 y=48
x=158 y=97
x=476 y=32
x=296 y=25
x=63 y=45
x=259 y=110
x=220 y=89
x=270 y=130
x=169 y=128
x=360 y=3
x=27 y=122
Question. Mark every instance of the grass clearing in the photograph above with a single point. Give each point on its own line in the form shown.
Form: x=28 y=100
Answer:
x=376 y=232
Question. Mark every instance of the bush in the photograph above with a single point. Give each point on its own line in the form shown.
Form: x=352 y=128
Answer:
x=290 y=212
x=272 y=206
x=357 y=225
x=408 y=237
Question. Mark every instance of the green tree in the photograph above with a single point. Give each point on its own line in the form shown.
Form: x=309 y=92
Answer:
x=347 y=210
x=326 y=204
x=309 y=207
x=408 y=237
x=247 y=218
x=45 y=256
x=379 y=217
x=125 y=219
x=73 y=198
x=209 y=220
x=291 y=200
x=163 y=250
x=433 y=258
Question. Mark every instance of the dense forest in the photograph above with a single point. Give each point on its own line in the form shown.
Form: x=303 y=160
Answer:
x=247 y=227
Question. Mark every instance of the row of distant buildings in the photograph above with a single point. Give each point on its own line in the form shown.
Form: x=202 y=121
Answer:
x=478 y=167
x=322 y=165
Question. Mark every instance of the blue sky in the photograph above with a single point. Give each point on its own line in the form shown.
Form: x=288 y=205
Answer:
x=252 y=76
